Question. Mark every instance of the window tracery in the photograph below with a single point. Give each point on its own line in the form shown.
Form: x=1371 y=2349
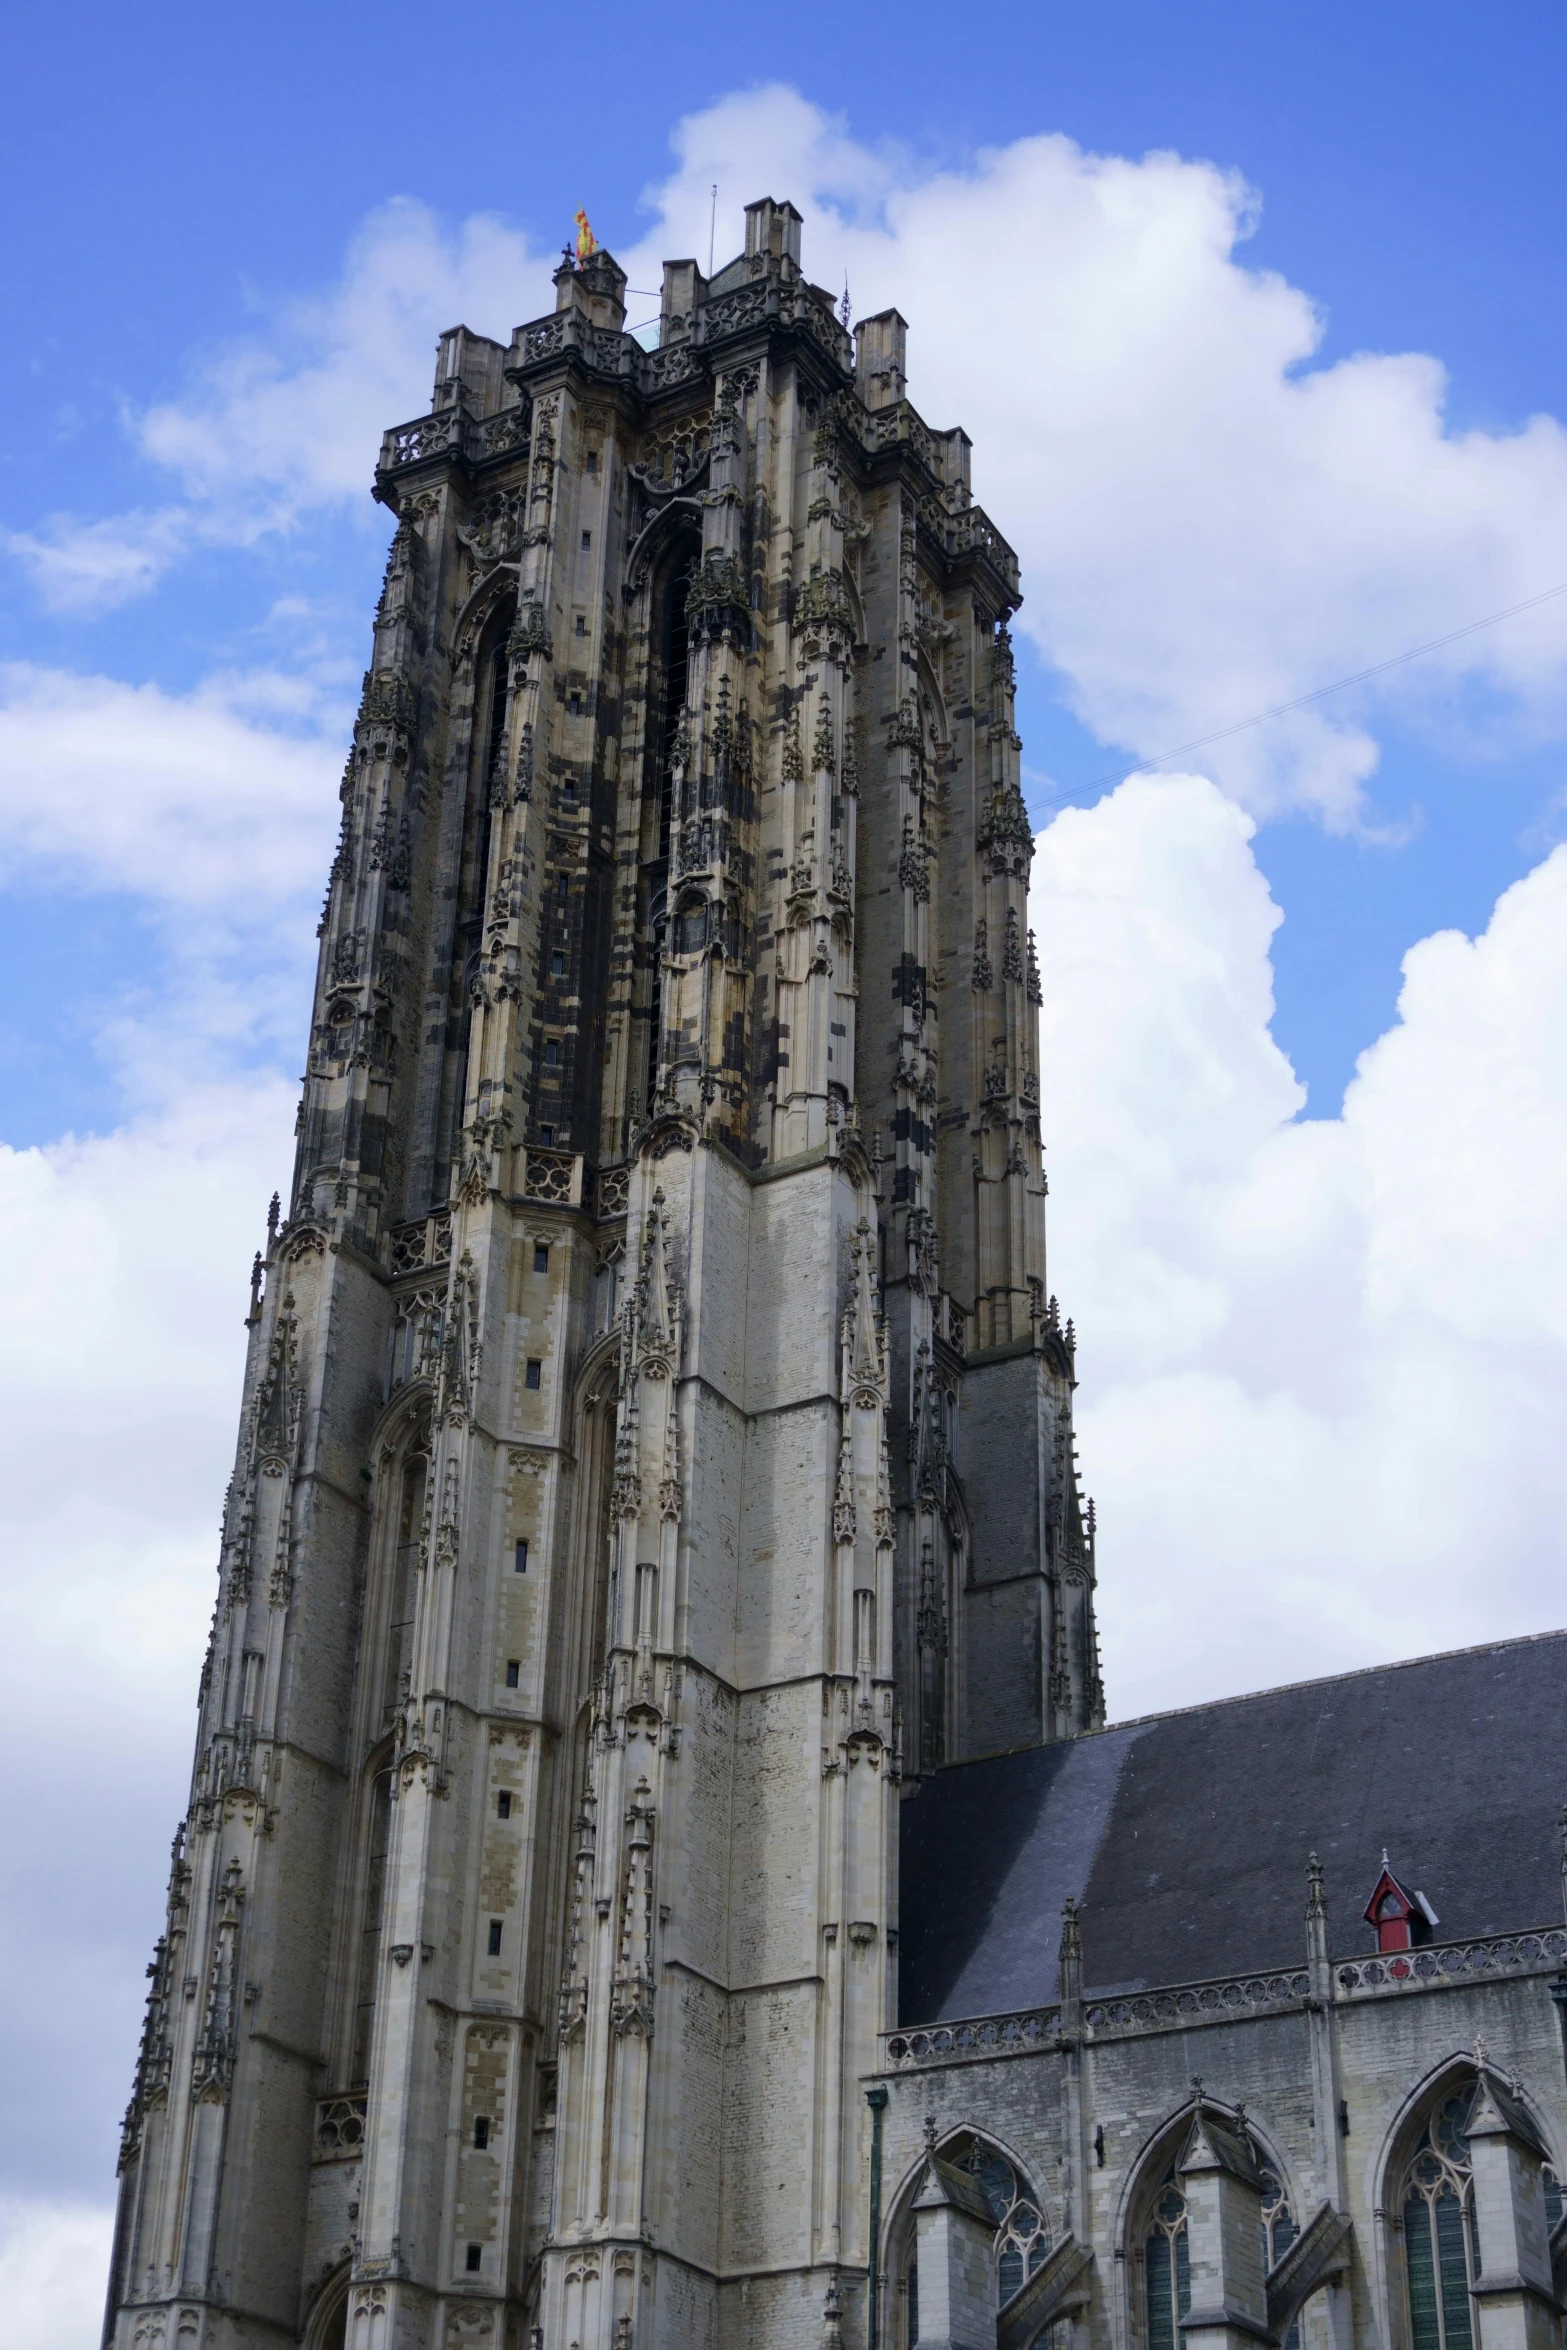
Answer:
x=1167 y=2274
x=1436 y=2205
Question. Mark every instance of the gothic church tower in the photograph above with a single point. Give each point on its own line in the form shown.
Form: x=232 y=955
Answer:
x=656 y=1448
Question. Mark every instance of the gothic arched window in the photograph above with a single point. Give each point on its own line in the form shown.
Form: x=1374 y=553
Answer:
x=377 y=1840
x=1167 y=2273
x=1022 y=2238
x=674 y=677
x=1437 y=2211
x=1278 y=2234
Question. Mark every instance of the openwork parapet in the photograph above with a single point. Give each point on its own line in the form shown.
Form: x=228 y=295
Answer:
x=340 y=2127
x=992 y=2035
x=411 y=1247
x=1451 y=1962
x=1196 y=2003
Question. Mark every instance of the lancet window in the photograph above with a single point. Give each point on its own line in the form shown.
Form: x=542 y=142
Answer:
x=1437 y=2213
x=670 y=688
x=390 y=1612
x=674 y=681
x=377 y=1824
x=1167 y=2271
x=486 y=783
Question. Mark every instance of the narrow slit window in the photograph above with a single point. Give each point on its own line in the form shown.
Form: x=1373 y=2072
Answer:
x=520 y=1559
x=534 y=1375
x=475 y=2256
x=587 y=540
x=513 y=1672
x=495 y=1937
x=541 y=1256
x=546 y=1134
x=582 y=626
x=481 y=2131
x=503 y=1803
x=557 y=971
x=552 y=1049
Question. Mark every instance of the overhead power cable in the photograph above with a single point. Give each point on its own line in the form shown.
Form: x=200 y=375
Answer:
x=1221 y=734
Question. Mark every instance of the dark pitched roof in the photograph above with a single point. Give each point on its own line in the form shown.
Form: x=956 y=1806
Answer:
x=1185 y=1836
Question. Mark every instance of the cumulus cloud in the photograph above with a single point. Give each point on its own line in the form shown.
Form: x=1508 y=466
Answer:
x=1324 y=1361
x=89 y=567
x=1211 y=522
x=53 y=2261
x=222 y=796
x=121 y=1344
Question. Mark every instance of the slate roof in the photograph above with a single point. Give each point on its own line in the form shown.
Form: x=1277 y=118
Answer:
x=1185 y=1836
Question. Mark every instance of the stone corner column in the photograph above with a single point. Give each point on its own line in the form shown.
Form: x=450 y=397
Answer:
x=956 y=2239
x=1223 y=2190
x=1518 y=2308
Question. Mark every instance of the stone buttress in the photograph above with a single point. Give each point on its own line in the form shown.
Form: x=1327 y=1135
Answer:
x=656 y=1440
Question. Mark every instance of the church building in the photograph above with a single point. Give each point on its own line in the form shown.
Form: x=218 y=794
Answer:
x=656 y=1875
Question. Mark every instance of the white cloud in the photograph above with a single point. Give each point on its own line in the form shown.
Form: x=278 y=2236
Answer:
x=1324 y=1362
x=1210 y=522
x=54 y=2266
x=199 y=799
x=122 y=1303
x=300 y=411
x=89 y=567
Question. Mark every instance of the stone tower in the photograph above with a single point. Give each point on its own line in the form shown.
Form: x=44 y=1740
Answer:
x=656 y=1446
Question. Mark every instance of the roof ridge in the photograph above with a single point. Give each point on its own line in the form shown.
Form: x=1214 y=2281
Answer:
x=1404 y=1664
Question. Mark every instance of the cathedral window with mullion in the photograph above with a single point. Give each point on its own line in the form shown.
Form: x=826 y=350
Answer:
x=1167 y=2273
x=1437 y=2218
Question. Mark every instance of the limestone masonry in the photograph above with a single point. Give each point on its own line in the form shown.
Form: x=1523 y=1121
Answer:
x=655 y=1531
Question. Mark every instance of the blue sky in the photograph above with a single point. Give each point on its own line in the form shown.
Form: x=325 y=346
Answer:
x=186 y=175
x=1254 y=316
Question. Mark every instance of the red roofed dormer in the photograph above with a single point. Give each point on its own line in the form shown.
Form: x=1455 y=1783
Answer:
x=1401 y=1919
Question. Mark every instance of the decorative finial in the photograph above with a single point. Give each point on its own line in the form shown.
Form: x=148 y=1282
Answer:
x=274 y=1208
x=844 y=312
x=1316 y=1904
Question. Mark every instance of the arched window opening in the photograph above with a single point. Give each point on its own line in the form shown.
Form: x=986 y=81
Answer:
x=1437 y=2211
x=1278 y=2234
x=492 y=694
x=675 y=672
x=1167 y=2269
x=328 y=2328
x=398 y=1659
x=1022 y=2238
x=655 y=1012
x=377 y=1841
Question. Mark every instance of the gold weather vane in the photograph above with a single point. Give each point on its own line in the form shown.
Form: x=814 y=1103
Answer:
x=587 y=242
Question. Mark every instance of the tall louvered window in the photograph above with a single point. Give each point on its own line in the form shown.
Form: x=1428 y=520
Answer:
x=1278 y=2234
x=1167 y=2273
x=1439 y=2243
